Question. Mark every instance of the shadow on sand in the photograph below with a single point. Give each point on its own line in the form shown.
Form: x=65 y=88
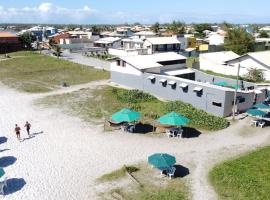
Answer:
x=181 y=171
x=190 y=132
x=32 y=136
x=3 y=150
x=7 y=161
x=3 y=140
x=143 y=128
x=14 y=185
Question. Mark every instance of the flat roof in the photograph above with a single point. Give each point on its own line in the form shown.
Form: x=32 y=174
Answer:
x=151 y=61
x=107 y=40
x=163 y=40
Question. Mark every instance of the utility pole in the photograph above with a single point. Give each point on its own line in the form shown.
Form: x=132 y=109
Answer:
x=235 y=92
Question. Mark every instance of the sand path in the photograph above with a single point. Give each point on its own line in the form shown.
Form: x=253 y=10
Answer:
x=64 y=161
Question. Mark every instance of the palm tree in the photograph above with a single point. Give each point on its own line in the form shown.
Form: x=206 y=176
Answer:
x=255 y=75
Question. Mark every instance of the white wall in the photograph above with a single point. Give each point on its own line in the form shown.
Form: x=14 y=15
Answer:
x=121 y=52
x=128 y=69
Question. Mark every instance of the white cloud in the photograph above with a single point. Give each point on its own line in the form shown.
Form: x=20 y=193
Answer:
x=46 y=13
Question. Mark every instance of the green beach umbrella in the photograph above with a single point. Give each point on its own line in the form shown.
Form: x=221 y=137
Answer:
x=126 y=115
x=256 y=113
x=161 y=160
x=2 y=172
x=262 y=106
x=223 y=84
x=173 y=119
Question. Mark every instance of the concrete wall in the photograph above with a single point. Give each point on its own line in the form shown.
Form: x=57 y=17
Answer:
x=204 y=77
x=204 y=100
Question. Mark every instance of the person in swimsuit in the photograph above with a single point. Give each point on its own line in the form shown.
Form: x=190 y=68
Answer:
x=18 y=132
x=27 y=126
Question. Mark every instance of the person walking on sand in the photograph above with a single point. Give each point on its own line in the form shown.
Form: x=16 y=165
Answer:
x=18 y=132
x=27 y=126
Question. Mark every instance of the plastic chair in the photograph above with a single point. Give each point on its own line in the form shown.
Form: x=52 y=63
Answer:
x=261 y=124
x=3 y=184
x=171 y=172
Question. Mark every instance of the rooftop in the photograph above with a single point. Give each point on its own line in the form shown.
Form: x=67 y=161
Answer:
x=7 y=34
x=151 y=61
x=263 y=57
x=163 y=40
x=220 y=57
x=107 y=40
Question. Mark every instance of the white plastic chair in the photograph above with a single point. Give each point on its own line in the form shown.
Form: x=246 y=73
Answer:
x=3 y=184
x=261 y=124
x=180 y=132
x=171 y=172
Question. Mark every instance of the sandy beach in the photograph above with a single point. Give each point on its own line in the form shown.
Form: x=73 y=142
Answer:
x=65 y=155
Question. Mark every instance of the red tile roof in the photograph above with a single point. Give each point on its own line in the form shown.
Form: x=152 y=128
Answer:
x=7 y=35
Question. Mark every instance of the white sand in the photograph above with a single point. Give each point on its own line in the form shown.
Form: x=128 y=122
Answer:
x=64 y=161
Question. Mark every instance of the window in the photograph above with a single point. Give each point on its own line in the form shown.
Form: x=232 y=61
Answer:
x=118 y=62
x=217 y=104
x=123 y=63
x=239 y=100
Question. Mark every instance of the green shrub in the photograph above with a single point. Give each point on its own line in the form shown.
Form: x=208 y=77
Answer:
x=133 y=96
x=199 y=118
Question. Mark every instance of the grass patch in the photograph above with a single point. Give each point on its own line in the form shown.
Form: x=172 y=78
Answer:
x=103 y=101
x=33 y=72
x=114 y=175
x=245 y=178
x=152 y=187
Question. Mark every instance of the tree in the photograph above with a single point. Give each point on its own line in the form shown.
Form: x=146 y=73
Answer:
x=95 y=29
x=52 y=43
x=58 y=51
x=200 y=28
x=255 y=75
x=155 y=27
x=177 y=27
x=239 y=41
x=264 y=34
x=27 y=39
x=226 y=26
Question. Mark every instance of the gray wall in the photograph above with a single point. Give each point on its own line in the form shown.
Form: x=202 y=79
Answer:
x=204 y=101
x=204 y=77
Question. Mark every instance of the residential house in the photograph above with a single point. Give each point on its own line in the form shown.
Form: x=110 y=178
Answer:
x=216 y=62
x=162 y=44
x=257 y=60
x=145 y=34
x=108 y=42
x=9 y=42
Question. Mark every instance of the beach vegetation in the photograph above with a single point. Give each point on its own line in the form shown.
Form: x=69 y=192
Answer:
x=243 y=178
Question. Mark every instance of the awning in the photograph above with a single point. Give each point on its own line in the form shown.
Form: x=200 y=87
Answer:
x=179 y=72
x=258 y=92
x=197 y=89
x=183 y=85
x=162 y=80
x=151 y=77
x=172 y=83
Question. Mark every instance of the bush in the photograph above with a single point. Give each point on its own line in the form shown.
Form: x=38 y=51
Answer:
x=132 y=96
x=199 y=118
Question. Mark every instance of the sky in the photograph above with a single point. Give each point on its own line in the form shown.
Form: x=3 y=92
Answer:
x=131 y=11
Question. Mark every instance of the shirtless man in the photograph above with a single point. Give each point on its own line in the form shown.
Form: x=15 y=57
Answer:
x=27 y=126
x=18 y=132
